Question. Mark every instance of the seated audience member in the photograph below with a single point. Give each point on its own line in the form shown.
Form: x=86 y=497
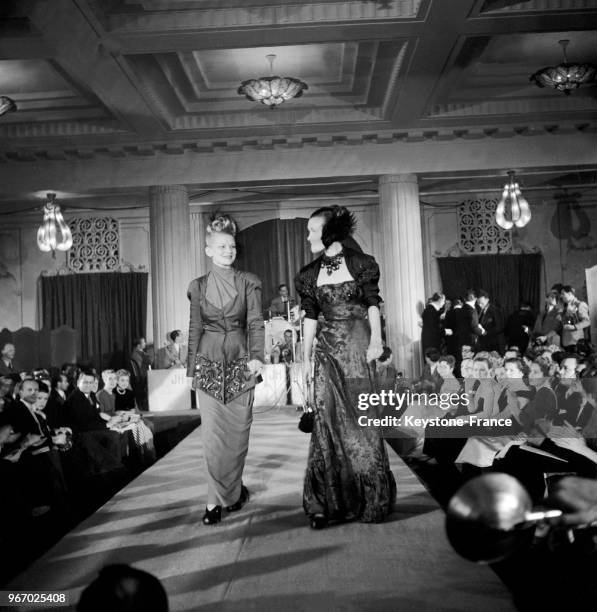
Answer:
x=174 y=355
x=519 y=327
x=7 y=385
x=127 y=418
x=81 y=408
x=573 y=405
x=58 y=394
x=466 y=352
x=445 y=369
x=122 y=588
x=105 y=396
x=280 y=305
x=71 y=371
x=548 y=325
x=38 y=458
x=514 y=393
x=543 y=405
x=484 y=390
x=14 y=508
x=491 y=320
x=466 y=374
x=101 y=449
x=575 y=319
x=430 y=380
x=61 y=436
x=123 y=394
x=8 y=365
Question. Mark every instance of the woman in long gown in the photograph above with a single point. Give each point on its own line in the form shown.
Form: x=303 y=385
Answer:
x=226 y=346
x=348 y=475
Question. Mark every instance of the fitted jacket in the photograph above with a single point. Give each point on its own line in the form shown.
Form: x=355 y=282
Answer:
x=222 y=340
x=363 y=268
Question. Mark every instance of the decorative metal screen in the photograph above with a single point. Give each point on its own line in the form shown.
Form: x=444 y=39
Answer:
x=477 y=230
x=96 y=245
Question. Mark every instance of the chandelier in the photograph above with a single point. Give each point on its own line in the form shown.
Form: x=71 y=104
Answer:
x=564 y=77
x=272 y=90
x=512 y=209
x=7 y=105
x=52 y=226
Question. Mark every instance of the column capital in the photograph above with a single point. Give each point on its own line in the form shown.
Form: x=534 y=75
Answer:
x=157 y=190
x=398 y=178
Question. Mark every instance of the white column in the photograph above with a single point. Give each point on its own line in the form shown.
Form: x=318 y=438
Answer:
x=199 y=263
x=402 y=277
x=171 y=270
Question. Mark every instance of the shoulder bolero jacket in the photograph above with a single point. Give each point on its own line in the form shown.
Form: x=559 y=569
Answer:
x=363 y=268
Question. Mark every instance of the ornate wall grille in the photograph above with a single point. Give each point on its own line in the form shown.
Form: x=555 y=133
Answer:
x=478 y=233
x=96 y=245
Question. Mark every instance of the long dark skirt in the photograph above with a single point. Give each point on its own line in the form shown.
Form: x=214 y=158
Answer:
x=348 y=474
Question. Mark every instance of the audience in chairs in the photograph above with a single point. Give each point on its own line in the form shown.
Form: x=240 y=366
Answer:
x=548 y=394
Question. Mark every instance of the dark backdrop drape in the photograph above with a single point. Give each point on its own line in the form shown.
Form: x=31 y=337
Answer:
x=509 y=279
x=109 y=310
x=275 y=251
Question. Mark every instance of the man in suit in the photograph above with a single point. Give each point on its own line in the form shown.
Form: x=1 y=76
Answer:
x=54 y=406
x=174 y=354
x=8 y=365
x=40 y=463
x=140 y=364
x=573 y=405
x=465 y=322
x=104 y=448
x=491 y=320
x=282 y=303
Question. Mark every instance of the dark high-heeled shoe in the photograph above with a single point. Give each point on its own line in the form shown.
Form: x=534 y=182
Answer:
x=318 y=521
x=213 y=516
x=242 y=500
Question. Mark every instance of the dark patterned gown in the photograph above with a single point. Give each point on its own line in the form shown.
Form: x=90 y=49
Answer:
x=348 y=475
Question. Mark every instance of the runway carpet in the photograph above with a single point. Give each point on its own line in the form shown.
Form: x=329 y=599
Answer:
x=265 y=557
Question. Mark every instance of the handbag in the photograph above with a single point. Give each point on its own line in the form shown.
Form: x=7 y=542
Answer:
x=306 y=421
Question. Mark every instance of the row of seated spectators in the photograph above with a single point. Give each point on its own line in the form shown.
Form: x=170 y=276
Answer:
x=545 y=398
x=61 y=441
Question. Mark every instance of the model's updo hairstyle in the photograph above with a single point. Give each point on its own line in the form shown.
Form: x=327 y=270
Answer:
x=219 y=223
x=339 y=223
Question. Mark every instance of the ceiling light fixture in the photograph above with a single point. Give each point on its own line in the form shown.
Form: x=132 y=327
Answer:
x=272 y=90
x=52 y=226
x=564 y=77
x=7 y=105
x=512 y=209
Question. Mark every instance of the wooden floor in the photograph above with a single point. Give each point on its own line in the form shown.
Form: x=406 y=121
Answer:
x=265 y=557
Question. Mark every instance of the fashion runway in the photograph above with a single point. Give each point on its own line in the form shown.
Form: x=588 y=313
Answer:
x=265 y=557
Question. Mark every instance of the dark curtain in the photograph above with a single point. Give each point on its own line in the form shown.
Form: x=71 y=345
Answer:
x=509 y=279
x=275 y=251
x=109 y=310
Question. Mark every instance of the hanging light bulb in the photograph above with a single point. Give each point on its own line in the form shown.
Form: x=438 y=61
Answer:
x=512 y=209
x=53 y=225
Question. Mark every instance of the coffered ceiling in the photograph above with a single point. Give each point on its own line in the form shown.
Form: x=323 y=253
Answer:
x=132 y=78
